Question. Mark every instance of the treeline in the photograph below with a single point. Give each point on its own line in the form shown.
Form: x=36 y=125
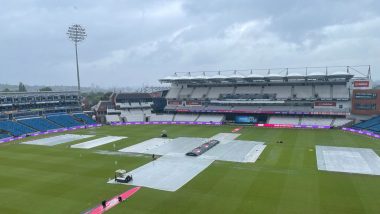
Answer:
x=22 y=88
x=94 y=97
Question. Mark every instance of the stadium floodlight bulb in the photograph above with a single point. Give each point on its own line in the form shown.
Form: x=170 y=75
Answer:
x=76 y=33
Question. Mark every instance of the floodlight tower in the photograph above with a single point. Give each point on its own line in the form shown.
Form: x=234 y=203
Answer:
x=77 y=34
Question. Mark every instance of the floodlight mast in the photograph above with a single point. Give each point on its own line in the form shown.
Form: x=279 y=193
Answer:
x=77 y=34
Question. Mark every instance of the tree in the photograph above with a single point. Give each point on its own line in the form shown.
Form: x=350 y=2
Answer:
x=45 y=89
x=21 y=87
x=6 y=90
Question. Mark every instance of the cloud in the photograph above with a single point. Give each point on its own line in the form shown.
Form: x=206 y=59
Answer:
x=131 y=43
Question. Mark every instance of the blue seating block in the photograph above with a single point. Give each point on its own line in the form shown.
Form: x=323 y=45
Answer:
x=85 y=118
x=14 y=128
x=64 y=120
x=39 y=124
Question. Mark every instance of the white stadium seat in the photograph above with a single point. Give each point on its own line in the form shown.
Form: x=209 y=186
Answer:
x=303 y=92
x=316 y=121
x=284 y=120
x=185 y=117
x=323 y=91
x=210 y=118
x=173 y=93
x=199 y=92
x=215 y=92
x=112 y=118
x=282 y=92
x=340 y=92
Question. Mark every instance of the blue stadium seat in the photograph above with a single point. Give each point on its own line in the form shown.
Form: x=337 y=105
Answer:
x=369 y=123
x=64 y=120
x=14 y=128
x=39 y=124
x=375 y=128
x=83 y=117
x=4 y=136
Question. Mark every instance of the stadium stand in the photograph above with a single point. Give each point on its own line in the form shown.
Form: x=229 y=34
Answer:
x=282 y=92
x=210 y=118
x=323 y=91
x=4 y=136
x=14 y=128
x=199 y=92
x=112 y=118
x=39 y=124
x=375 y=128
x=185 y=92
x=321 y=121
x=161 y=117
x=284 y=120
x=185 y=117
x=215 y=92
x=303 y=92
x=340 y=92
x=84 y=118
x=248 y=90
x=64 y=120
x=173 y=93
x=338 y=122
x=368 y=123
x=134 y=118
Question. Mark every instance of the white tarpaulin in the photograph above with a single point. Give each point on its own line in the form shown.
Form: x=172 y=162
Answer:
x=52 y=141
x=97 y=142
x=347 y=159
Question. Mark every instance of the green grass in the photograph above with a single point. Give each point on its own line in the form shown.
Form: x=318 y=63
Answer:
x=36 y=179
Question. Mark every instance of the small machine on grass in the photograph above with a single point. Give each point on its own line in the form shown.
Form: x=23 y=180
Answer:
x=121 y=176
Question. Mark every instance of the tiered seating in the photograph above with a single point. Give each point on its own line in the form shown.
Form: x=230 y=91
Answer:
x=185 y=93
x=323 y=91
x=185 y=117
x=112 y=118
x=39 y=124
x=135 y=111
x=2 y=136
x=282 y=92
x=248 y=90
x=146 y=104
x=199 y=92
x=83 y=117
x=316 y=121
x=161 y=117
x=136 y=104
x=303 y=92
x=210 y=118
x=173 y=93
x=341 y=122
x=216 y=91
x=64 y=120
x=340 y=92
x=147 y=112
x=14 y=128
x=123 y=105
x=369 y=123
x=375 y=128
x=284 y=120
x=135 y=118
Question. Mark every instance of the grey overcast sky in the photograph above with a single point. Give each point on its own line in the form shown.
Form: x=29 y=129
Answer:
x=135 y=42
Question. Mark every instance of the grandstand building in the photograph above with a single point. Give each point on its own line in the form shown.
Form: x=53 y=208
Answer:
x=317 y=96
x=25 y=113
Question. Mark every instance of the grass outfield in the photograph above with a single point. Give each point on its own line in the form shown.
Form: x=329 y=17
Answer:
x=38 y=179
